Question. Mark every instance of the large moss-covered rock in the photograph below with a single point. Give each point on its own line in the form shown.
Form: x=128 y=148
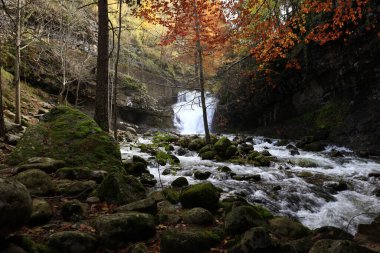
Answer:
x=81 y=173
x=45 y=164
x=121 y=189
x=147 y=205
x=204 y=195
x=285 y=227
x=36 y=181
x=15 y=206
x=74 y=188
x=72 y=242
x=241 y=218
x=70 y=135
x=188 y=241
x=117 y=230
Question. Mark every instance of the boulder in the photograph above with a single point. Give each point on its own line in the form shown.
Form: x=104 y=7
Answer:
x=121 y=189
x=72 y=242
x=42 y=212
x=258 y=159
x=188 y=240
x=147 y=180
x=224 y=169
x=198 y=216
x=195 y=144
x=337 y=246
x=329 y=232
x=15 y=206
x=81 y=173
x=242 y=218
x=255 y=240
x=138 y=248
x=36 y=181
x=46 y=164
x=136 y=168
x=208 y=155
x=202 y=175
x=287 y=228
x=221 y=146
x=168 y=213
x=68 y=134
x=147 y=205
x=73 y=211
x=74 y=188
x=180 y=182
x=117 y=230
x=171 y=195
x=204 y=195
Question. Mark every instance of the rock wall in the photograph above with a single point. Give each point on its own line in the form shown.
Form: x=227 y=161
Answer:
x=336 y=96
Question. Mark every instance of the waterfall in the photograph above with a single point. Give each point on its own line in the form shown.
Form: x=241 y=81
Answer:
x=188 y=117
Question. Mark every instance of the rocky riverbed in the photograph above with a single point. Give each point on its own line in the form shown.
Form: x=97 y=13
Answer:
x=67 y=188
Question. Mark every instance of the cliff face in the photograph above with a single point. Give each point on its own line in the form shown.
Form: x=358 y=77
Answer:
x=335 y=97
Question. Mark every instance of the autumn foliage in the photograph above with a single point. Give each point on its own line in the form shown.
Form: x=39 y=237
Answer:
x=269 y=30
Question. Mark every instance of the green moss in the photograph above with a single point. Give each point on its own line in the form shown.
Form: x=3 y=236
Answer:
x=221 y=145
x=171 y=195
x=258 y=159
x=204 y=195
x=196 y=144
x=332 y=114
x=163 y=158
x=189 y=240
x=209 y=155
x=263 y=212
x=70 y=135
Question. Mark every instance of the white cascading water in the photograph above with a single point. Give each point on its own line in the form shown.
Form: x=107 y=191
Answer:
x=188 y=116
x=285 y=187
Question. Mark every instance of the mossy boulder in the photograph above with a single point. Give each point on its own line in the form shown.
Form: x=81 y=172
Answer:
x=204 y=195
x=258 y=159
x=196 y=144
x=121 y=189
x=45 y=164
x=180 y=182
x=37 y=182
x=202 y=175
x=15 y=207
x=81 y=173
x=73 y=211
x=42 y=212
x=70 y=135
x=208 y=155
x=337 y=246
x=72 y=242
x=255 y=240
x=242 y=218
x=221 y=146
x=171 y=195
x=147 y=205
x=287 y=228
x=198 y=216
x=188 y=241
x=74 y=188
x=163 y=158
x=136 y=168
x=117 y=230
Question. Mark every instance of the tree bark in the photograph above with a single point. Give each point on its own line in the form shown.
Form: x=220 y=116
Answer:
x=201 y=75
x=114 y=107
x=17 y=64
x=2 y=124
x=101 y=96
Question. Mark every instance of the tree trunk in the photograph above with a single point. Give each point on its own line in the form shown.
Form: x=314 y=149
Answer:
x=2 y=124
x=101 y=96
x=114 y=112
x=201 y=76
x=17 y=64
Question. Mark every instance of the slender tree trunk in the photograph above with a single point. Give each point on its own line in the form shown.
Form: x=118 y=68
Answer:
x=101 y=96
x=17 y=64
x=201 y=75
x=2 y=124
x=114 y=112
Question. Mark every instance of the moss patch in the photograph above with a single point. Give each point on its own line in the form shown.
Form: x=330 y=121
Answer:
x=70 y=135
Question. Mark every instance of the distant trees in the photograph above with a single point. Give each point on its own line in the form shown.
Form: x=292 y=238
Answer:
x=199 y=23
x=269 y=30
